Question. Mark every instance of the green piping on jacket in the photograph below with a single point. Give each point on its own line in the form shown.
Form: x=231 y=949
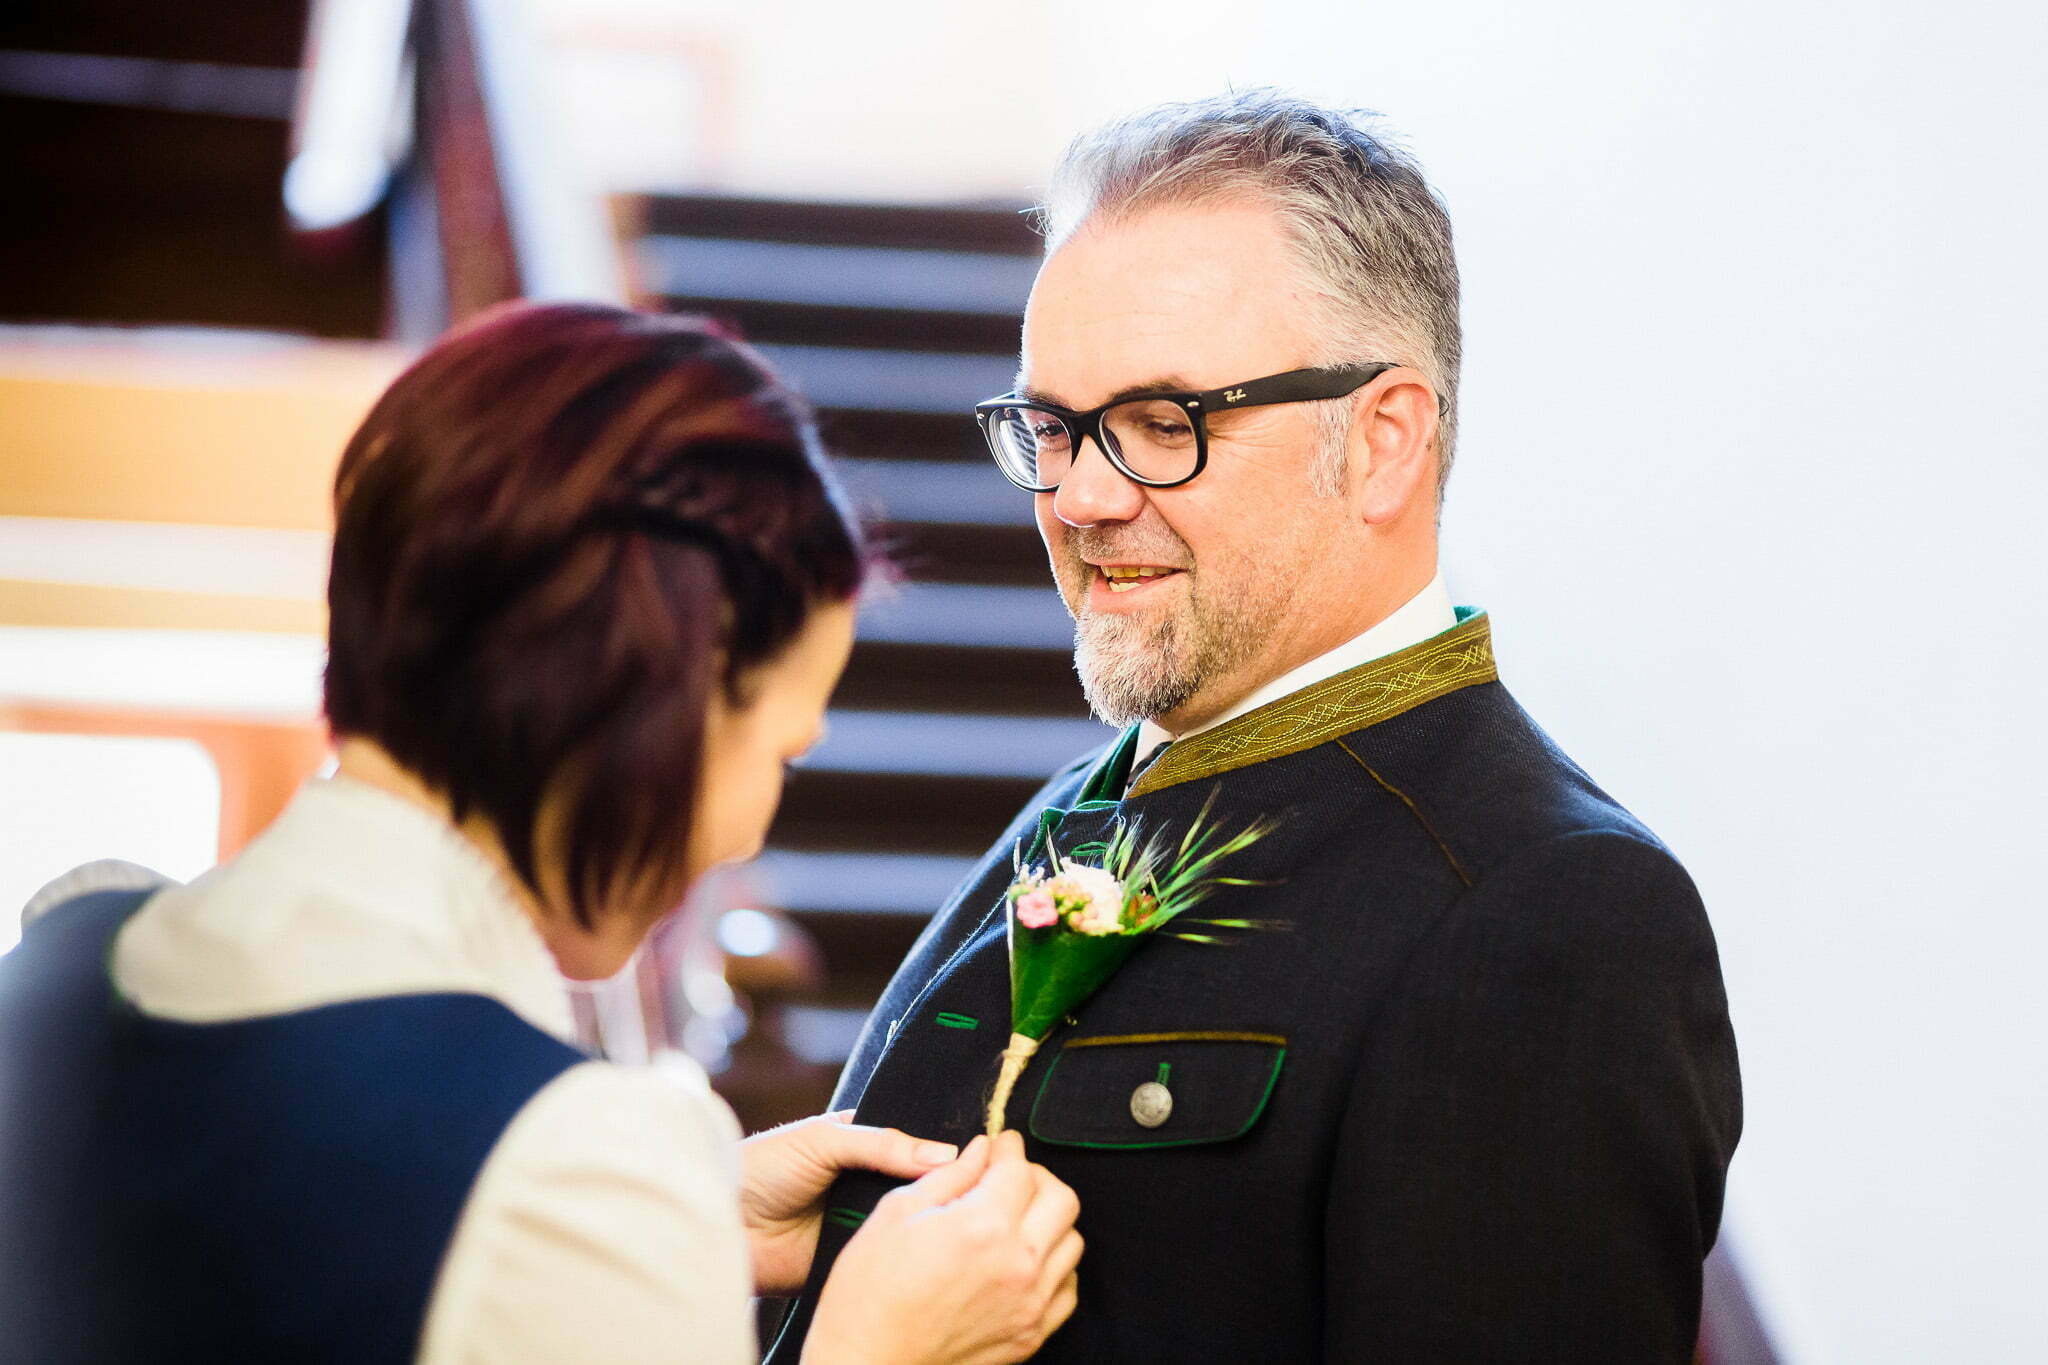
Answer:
x=1272 y=1079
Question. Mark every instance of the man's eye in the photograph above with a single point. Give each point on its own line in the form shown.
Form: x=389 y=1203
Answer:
x=1167 y=432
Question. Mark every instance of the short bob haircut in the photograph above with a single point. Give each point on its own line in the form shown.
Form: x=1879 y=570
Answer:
x=557 y=532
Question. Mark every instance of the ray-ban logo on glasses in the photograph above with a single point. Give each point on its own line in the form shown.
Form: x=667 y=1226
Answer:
x=1233 y=395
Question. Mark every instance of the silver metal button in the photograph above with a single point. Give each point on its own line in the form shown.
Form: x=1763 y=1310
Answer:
x=1151 y=1104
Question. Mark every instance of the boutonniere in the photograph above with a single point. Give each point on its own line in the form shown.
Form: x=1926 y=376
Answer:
x=1072 y=923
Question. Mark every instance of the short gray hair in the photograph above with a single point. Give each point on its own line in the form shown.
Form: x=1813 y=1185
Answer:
x=1373 y=239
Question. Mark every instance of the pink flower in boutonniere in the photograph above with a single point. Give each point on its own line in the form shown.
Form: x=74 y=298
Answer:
x=1036 y=910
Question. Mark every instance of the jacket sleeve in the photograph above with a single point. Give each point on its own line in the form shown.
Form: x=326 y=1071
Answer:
x=1531 y=1164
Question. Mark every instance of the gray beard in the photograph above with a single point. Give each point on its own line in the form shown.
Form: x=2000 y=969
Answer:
x=1130 y=673
x=1133 y=670
x=1141 y=668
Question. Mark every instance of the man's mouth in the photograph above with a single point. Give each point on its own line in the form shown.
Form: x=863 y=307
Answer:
x=1122 y=578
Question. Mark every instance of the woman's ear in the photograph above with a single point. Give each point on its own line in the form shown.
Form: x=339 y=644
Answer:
x=1393 y=448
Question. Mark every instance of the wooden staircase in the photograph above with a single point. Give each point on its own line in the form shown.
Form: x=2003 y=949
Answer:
x=961 y=697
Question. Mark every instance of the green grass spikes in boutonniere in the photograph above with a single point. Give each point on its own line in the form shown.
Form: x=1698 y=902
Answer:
x=1071 y=925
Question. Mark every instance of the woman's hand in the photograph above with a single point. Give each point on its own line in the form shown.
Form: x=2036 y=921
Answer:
x=785 y=1171
x=972 y=1265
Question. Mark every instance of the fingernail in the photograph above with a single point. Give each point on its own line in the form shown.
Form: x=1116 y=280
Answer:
x=936 y=1153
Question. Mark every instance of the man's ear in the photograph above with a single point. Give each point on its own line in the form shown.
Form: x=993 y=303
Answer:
x=1393 y=450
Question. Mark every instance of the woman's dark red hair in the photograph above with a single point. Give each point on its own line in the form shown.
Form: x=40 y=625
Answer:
x=555 y=535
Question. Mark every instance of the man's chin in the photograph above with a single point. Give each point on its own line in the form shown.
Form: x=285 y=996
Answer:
x=1123 y=688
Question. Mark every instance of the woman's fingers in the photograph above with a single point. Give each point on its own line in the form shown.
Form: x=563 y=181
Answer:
x=1058 y=1288
x=1051 y=1217
x=943 y=1184
x=1060 y=1307
x=1059 y=1265
x=1010 y=1182
x=979 y=1255
x=1050 y=1214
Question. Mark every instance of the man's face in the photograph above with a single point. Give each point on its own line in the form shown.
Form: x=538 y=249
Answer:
x=1239 y=566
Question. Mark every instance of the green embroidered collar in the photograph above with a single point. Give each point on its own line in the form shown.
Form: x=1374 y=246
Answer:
x=1366 y=695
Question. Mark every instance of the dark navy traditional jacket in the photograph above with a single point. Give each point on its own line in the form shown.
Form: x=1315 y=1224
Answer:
x=272 y=1189
x=1474 y=1100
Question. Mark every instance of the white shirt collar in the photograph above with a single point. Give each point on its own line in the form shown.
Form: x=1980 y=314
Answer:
x=1427 y=613
x=351 y=893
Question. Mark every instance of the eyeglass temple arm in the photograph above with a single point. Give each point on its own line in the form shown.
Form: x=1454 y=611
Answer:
x=1296 y=386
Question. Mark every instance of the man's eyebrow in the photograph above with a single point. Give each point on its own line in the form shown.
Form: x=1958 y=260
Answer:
x=1171 y=383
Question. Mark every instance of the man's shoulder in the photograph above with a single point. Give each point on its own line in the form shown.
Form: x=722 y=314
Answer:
x=1493 y=785
x=1571 y=904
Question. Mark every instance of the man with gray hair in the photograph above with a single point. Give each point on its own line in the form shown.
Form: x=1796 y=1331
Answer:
x=1452 y=1078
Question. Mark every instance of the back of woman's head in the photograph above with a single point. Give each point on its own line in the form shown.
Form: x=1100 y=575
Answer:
x=558 y=536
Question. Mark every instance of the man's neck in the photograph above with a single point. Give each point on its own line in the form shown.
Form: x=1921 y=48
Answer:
x=1426 y=613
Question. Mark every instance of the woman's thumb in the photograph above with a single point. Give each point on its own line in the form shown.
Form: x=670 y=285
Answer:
x=888 y=1150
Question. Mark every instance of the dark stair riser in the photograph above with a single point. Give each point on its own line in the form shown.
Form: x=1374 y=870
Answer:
x=898 y=812
x=822 y=223
x=893 y=677
x=831 y=325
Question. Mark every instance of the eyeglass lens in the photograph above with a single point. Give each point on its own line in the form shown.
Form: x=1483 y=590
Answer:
x=1154 y=438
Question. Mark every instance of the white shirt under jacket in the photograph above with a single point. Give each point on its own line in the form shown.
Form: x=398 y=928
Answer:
x=1427 y=613
x=605 y=1223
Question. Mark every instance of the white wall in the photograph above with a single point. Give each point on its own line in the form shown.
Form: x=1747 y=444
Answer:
x=1752 y=480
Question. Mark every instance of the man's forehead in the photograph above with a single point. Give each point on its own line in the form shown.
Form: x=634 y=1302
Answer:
x=1166 y=383
x=1172 y=298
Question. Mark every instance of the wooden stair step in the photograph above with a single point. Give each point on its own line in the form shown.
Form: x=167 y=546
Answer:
x=942 y=435
x=998 y=227
x=906 y=381
x=896 y=813
x=894 y=279
x=937 y=491
x=828 y=325
x=991 y=617
x=951 y=745
x=891 y=676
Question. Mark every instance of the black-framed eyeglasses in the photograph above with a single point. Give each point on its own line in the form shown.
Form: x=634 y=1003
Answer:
x=1160 y=440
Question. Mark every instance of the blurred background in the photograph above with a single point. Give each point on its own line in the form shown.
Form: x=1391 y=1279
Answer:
x=1750 y=478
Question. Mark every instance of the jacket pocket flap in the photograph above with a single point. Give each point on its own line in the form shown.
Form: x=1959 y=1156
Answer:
x=1146 y=1090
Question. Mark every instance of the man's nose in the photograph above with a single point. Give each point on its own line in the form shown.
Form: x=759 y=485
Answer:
x=1095 y=491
